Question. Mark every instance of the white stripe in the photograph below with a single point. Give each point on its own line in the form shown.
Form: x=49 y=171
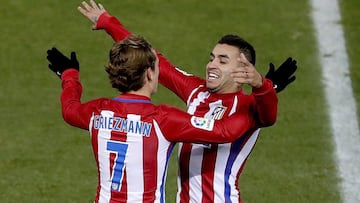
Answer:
x=195 y=179
x=240 y=159
x=104 y=165
x=220 y=166
x=163 y=147
x=339 y=95
x=135 y=170
x=178 y=182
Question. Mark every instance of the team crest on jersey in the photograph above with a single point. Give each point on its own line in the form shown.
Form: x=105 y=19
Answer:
x=218 y=112
x=202 y=123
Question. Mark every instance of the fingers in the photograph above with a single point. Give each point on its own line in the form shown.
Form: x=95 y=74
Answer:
x=286 y=63
x=101 y=7
x=246 y=73
x=52 y=53
x=52 y=50
x=243 y=60
x=82 y=11
x=241 y=74
x=93 y=7
x=252 y=77
x=93 y=4
x=288 y=60
x=292 y=79
x=281 y=86
x=86 y=6
x=271 y=68
x=287 y=68
x=85 y=10
x=244 y=67
x=55 y=55
x=254 y=80
x=73 y=56
x=291 y=69
x=92 y=11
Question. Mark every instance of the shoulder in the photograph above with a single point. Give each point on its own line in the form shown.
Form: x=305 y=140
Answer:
x=164 y=108
x=102 y=102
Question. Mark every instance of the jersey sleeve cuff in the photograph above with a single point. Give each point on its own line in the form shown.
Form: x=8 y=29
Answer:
x=265 y=88
x=103 y=20
x=70 y=74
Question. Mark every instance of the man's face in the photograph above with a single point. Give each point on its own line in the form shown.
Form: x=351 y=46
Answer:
x=223 y=59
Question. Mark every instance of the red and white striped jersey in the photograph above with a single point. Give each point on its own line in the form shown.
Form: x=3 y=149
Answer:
x=132 y=139
x=210 y=172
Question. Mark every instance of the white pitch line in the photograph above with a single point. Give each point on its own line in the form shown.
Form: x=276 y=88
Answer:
x=339 y=95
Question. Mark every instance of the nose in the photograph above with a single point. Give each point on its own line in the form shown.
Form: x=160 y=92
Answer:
x=212 y=64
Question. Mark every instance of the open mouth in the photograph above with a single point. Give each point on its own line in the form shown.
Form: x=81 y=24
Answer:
x=212 y=76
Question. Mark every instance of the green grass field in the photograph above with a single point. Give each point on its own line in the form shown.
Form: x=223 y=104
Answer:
x=42 y=159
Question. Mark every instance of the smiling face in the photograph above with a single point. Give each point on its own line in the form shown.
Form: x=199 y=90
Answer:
x=223 y=59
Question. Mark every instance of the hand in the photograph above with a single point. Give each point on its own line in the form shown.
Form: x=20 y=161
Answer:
x=246 y=73
x=284 y=75
x=92 y=11
x=59 y=63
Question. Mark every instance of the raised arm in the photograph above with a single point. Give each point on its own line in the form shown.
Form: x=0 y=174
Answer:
x=170 y=76
x=266 y=103
x=280 y=77
x=74 y=112
x=266 y=100
x=101 y=19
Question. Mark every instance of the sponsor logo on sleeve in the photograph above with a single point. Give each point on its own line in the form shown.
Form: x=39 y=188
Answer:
x=202 y=123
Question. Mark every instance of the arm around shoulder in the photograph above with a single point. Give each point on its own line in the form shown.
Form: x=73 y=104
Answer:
x=202 y=130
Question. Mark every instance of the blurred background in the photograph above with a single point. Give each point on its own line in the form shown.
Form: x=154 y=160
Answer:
x=42 y=159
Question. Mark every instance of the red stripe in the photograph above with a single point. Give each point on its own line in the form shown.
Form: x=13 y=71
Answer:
x=122 y=195
x=184 y=160
x=207 y=171
x=150 y=145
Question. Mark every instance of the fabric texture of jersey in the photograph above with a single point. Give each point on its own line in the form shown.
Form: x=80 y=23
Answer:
x=210 y=172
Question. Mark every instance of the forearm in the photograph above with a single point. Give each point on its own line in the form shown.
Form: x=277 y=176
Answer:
x=266 y=103
x=70 y=99
x=169 y=76
x=112 y=26
x=201 y=130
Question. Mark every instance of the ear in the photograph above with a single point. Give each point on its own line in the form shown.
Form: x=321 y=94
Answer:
x=149 y=74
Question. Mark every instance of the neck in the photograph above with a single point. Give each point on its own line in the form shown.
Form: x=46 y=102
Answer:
x=141 y=92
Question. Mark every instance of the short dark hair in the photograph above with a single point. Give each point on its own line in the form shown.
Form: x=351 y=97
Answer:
x=129 y=59
x=244 y=46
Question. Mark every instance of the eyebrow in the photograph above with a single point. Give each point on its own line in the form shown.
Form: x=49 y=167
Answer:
x=220 y=55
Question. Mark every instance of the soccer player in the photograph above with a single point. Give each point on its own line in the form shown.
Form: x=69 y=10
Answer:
x=132 y=139
x=210 y=173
